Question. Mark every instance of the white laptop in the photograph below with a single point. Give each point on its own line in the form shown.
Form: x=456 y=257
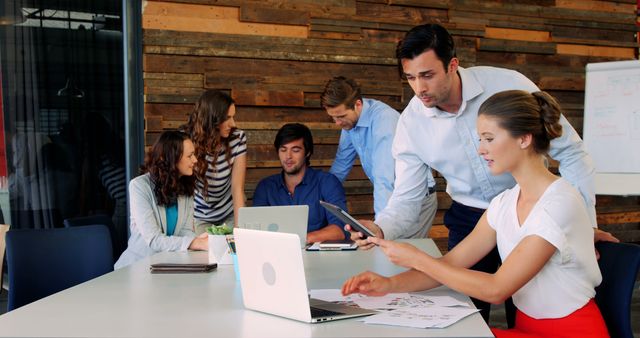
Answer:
x=290 y=218
x=273 y=281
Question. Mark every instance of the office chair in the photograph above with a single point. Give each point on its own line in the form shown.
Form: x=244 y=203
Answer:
x=619 y=264
x=116 y=245
x=44 y=261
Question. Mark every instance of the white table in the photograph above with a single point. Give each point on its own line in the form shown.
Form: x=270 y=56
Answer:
x=131 y=302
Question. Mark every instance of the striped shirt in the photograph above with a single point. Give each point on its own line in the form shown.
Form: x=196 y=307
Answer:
x=218 y=205
x=113 y=179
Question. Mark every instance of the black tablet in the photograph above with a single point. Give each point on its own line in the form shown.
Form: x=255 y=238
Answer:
x=348 y=219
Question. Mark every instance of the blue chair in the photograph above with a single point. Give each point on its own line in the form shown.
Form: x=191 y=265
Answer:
x=619 y=264
x=116 y=245
x=44 y=261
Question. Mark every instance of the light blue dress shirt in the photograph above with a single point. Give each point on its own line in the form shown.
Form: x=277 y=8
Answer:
x=371 y=139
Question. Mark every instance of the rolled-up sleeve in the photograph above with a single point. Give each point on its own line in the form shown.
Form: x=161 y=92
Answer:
x=383 y=172
x=345 y=156
x=401 y=215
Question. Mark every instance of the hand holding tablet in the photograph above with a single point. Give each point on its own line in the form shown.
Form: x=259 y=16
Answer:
x=348 y=219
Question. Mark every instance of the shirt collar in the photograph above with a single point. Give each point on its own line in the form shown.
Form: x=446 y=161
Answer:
x=365 y=118
x=308 y=175
x=470 y=89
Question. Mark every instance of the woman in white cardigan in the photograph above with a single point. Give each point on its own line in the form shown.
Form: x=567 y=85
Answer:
x=161 y=201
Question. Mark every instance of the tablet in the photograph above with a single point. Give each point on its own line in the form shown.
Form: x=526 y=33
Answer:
x=347 y=219
x=340 y=243
x=333 y=246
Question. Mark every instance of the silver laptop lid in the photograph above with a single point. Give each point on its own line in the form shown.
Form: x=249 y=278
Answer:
x=272 y=273
x=273 y=280
x=290 y=219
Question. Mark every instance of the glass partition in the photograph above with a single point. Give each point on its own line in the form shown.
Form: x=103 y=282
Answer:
x=62 y=149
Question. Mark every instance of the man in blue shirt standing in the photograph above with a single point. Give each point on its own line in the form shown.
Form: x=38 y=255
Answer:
x=299 y=184
x=368 y=128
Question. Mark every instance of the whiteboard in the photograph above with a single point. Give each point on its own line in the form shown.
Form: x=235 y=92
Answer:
x=612 y=125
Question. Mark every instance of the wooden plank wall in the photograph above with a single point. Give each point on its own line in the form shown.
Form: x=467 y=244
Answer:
x=274 y=57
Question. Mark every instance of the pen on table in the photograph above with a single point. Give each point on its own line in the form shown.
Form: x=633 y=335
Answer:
x=232 y=244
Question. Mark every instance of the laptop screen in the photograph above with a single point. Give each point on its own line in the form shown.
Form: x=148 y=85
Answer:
x=289 y=219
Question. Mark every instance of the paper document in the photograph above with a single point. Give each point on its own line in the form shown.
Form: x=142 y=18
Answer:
x=421 y=317
x=427 y=309
x=405 y=300
x=390 y=301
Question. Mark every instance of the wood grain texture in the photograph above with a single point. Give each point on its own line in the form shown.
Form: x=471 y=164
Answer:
x=598 y=6
x=517 y=34
x=268 y=98
x=198 y=18
x=615 y=52
x=516 y=46
x=264 y=14
x=274 y=57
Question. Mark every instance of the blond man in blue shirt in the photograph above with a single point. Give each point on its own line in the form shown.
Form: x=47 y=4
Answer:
x=368 y=128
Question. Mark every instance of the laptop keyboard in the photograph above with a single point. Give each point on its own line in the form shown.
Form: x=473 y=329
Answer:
x=318 y=313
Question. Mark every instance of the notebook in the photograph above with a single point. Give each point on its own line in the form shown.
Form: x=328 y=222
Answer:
x=181 y=268
x=182 y=263
x=290 y=219
x=273 y=281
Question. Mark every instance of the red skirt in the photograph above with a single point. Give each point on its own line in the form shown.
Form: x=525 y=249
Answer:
x=585 y=322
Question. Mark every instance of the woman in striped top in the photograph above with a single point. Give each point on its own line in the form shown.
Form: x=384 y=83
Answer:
x=222 y=162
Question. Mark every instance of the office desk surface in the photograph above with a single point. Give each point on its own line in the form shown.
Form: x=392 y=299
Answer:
x=131 y=302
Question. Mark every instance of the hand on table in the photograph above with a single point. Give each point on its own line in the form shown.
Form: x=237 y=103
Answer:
x=201 y=242
x=367 y=283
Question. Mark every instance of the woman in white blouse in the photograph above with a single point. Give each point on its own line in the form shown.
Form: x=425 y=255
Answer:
x=541 y=228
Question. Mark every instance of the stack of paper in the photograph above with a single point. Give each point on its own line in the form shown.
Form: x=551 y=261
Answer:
x=421 y=317
x=404 y=309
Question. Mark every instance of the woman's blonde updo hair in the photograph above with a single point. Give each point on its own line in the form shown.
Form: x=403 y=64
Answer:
x=521 y=113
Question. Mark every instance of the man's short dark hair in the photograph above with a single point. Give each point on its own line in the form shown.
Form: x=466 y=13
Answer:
x=423 y=38
x=295 y=131
x=340 y=90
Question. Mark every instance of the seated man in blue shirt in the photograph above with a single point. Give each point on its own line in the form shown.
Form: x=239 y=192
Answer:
x=299 y=184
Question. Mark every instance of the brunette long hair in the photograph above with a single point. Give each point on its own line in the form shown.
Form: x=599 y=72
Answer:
x=210 y=111
x=161 y=164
